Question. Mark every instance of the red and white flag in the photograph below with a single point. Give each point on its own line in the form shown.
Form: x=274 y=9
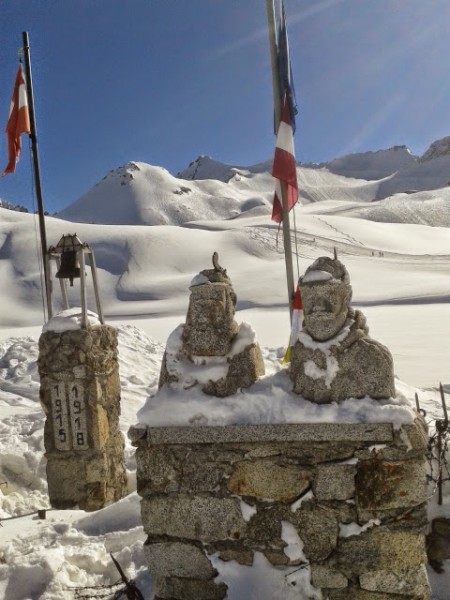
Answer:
x=18 y=121
x=297 y=316
x=284 y=166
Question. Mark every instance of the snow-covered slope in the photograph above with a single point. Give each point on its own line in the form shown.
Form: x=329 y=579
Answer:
x=372 y=165
x=147 y=270
x=426 y=208
x=142 y=194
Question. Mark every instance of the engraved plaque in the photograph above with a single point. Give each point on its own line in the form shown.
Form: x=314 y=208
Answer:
x=78 y=416
x=60 y=417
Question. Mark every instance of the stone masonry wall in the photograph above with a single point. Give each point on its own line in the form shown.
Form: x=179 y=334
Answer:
x=355 y=493
x=80 y=393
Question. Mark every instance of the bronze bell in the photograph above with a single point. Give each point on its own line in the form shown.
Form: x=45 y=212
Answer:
x=70 y=266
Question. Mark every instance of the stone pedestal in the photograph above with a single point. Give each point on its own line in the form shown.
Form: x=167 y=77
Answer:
x=80 y=393
x=354 y=493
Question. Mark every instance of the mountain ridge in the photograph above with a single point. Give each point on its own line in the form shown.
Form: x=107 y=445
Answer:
x=137 y=193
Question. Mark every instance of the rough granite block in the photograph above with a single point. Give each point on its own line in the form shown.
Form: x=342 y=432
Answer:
x=198 y=518
x=268 y=480
x=335 y=482
x=404 y=583
x=376 y=433
x=175 y=559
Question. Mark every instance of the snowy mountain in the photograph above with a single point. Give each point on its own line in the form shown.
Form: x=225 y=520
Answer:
x=371 y=165
x=192 y=218
x=437 y=149
x=142 y=194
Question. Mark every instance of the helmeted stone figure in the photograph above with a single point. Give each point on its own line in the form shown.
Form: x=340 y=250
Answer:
x=211 y=336
x=210 y=327
x=334 y=357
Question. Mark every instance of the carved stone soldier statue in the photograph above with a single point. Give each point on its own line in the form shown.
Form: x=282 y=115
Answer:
x=334 y=357
x=210 y=327
x=211 y=336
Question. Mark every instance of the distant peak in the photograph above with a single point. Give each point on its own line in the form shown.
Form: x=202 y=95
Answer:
x=132 y=166
x=438 y=148
x=124 y=173
x=205 y=167
x=126 y=168
x=191 y=171
x=398 y=148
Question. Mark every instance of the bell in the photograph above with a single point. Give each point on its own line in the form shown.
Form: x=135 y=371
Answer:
x=70 y=267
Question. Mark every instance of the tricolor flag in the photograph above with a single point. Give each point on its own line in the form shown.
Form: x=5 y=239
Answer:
x=297 y=316
x=18 y=121
x=284 y=166
x=286 y=83
x=297 y=322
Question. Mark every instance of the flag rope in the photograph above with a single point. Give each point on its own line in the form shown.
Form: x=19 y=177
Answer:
x=37 y=242
x=296 y=244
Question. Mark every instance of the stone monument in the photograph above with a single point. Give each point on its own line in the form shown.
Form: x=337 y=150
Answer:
x=338 y=507
x=80 y=393
x=211 y=337
x=334 y=357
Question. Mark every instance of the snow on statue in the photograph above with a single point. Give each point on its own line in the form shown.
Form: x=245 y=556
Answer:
x=334 y=357
x=226 y=355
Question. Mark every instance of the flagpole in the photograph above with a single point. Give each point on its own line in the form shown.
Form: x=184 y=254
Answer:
x=277 y=116
x=35 y=156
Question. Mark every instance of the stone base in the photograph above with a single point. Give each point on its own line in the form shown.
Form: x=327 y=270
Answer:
x=354 y=493
x=178 y=588
x=80 y=393
x=90 y=481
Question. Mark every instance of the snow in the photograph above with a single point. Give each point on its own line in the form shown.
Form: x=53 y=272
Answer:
x=202 y=368
x=269 y=400
x=316 y=275
x=247 y=510
x=151 y=233
x=349 y=529
x=70 y=319
x=311 y=369
x=262 y=580
x=294 y=545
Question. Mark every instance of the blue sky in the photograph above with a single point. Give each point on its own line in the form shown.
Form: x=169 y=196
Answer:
x=162 y=81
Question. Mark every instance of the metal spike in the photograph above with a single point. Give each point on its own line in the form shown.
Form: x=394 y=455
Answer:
x=444 y=408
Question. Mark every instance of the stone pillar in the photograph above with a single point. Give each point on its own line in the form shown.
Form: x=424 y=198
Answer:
x=354 y=493
x=80 y=393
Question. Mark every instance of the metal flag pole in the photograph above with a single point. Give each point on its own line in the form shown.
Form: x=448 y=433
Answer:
x=35 y=156
x=277 y=99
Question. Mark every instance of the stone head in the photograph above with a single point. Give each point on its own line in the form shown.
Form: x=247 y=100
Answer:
x=210 y=327
x=326 y=294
